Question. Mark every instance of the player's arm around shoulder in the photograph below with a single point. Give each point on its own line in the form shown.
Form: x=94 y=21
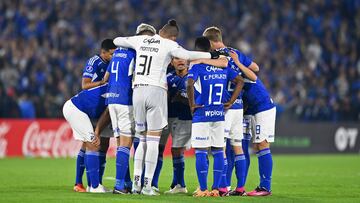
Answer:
x=221 y=62
x=247 y=71
x=129 y=42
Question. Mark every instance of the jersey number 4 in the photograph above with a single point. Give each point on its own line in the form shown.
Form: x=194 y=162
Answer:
x=146 y=65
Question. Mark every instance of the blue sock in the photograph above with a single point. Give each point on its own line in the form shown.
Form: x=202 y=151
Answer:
x=102 y=163
x=179 y=168
x=223 y=181
x=230 y=160
x=128 y=182
x=80 y=166
x=155 y=180
x=87 y=172
x=218 y=167
x=174 y=181
x=92 y=167
x=245 y=147
x=265 y=168
x=240 y=166
x=122 y=165
x=202 y=168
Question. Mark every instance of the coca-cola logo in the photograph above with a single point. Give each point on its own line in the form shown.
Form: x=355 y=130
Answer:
x=49 y=142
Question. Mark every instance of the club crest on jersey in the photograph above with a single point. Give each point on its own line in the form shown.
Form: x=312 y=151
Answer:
x=151 y=41
x=89 y=68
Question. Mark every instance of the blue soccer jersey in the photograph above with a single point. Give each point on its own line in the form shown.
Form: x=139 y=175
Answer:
x=120 y=71
x=243 y=59
x=210 y=84
x=91 y=101
x=178 y=84
x=95 y=68
x=256 y=97
x=172 y=111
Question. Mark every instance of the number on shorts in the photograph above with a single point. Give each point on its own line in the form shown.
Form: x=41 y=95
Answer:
x=257 y=129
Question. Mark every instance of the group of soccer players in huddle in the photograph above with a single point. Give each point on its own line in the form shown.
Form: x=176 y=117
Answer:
x=147 y=87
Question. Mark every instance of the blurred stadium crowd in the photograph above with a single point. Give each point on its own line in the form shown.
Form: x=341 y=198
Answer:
x=308 y=51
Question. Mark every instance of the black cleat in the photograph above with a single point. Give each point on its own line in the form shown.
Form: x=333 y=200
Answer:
x=121 y=192
x=236 y=193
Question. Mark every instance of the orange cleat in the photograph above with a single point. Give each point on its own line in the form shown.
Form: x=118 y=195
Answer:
x=200 y=193
x=79 y=188
x=215 y=193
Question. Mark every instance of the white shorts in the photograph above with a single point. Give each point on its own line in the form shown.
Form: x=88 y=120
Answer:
x=248 y=129
x=264 y=126
x=122 y=120
x=181 y=135
x=169 y=129
x=79 y=121
x=207 y=134
x=234 y=126
x=150 y=108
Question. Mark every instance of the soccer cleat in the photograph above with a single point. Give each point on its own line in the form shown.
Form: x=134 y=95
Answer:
x=215 y=193
x=259 y=191
x=99 y=189
x=155 y=189
x=236 y=193
x=177 y=189
x=200 y=193
x=88 y=188
x=223 y=191
x=121 y=192
x=149 y=192
x=79 y=188
x=136 y=189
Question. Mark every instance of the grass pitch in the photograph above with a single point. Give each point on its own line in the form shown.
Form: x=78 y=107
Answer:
x=296 y=178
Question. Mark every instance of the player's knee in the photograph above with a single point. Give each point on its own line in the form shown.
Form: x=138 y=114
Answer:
x=238 y=150
x=154 y=132
x=83 y=146
x=263 y=145
x=125 y=141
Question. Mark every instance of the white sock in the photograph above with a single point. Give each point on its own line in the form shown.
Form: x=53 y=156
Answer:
x=151 y=157
x=139 y=161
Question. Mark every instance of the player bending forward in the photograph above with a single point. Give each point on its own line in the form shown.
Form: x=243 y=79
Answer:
x=88 y=104
x=153 y=54
x=205 y=90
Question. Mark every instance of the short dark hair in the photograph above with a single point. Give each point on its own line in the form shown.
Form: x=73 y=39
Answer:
x=202 y=44
x=107 y=44
x=171 y=28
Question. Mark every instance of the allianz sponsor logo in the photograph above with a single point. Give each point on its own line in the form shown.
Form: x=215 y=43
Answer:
x=201 y=138
x=214 y=113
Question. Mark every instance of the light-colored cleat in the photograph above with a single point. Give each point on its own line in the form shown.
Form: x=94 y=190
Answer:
x=99 y=189
x=149 y=192
x=177 y=189
x=88 y=188
x=155 y=189
x=135 y=189
x=200 y=193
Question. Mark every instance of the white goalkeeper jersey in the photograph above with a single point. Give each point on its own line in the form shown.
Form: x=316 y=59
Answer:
x=153 y=55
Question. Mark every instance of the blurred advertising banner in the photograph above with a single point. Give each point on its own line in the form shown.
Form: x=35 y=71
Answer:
x=45 y=138
x=316 y=137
